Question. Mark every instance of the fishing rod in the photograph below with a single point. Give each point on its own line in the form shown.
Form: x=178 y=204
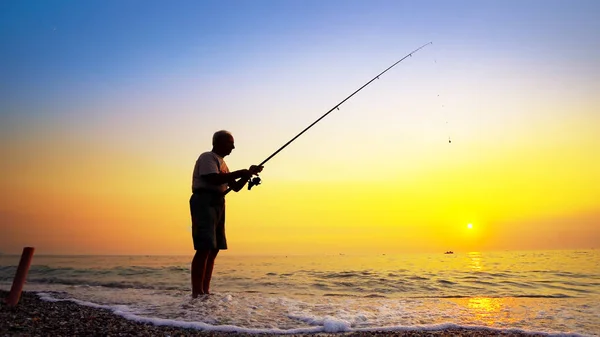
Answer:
x=256 y=180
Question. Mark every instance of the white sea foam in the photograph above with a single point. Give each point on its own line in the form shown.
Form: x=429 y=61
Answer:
x=308 y=317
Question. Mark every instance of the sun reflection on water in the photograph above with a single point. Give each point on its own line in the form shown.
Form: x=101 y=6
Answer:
x=485 y=309
x=490 y=311
x=484 y=304
x=475 y=260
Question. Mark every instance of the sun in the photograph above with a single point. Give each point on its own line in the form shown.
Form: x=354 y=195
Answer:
x=469 y=226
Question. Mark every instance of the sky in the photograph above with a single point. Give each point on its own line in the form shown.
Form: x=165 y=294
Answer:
x=106 y=105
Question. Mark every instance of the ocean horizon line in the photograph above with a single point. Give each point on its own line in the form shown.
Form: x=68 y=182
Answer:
x=308 y=254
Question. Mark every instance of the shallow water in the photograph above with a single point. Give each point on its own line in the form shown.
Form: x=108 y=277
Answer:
x=544 y=291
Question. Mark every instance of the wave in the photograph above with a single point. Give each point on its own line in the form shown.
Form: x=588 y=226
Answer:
x=374 y=296
x=545 y=296
x=106 y=284
x=496 y=296
x=348 y=289
x=342 y=274
x=315 y=324
x=401 y=285
x=445 y=282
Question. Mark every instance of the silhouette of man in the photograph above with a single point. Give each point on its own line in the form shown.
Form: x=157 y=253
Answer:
x=210 y=180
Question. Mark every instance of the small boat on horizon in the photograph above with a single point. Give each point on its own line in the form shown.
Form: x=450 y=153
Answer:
x=449 y=252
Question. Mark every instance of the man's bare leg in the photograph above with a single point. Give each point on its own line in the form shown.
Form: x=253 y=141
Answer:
x=210 y=263
x=199 y=264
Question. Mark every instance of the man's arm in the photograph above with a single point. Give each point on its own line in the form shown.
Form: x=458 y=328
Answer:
x=237 y=185
x=236 y=180
x=230 y=179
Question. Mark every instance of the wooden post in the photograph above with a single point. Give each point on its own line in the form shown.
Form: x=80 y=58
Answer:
x=15 y=291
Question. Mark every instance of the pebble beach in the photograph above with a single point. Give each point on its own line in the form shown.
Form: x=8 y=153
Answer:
x=35 y=317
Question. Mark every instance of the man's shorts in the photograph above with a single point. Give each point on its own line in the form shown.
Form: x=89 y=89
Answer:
x=208 y=221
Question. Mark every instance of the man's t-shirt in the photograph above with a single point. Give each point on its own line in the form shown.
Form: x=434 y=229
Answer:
x=209 y=162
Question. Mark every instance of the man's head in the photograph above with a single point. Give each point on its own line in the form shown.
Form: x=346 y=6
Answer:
x=222 y=143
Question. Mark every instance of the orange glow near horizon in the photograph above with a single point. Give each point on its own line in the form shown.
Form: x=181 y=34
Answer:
x=107 y=205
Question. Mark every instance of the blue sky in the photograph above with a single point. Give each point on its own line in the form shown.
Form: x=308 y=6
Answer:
x=111 y=41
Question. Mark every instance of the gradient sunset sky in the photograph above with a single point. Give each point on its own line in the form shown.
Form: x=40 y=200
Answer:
x=105 y=106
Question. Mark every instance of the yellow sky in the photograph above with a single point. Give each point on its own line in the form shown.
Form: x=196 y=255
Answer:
x=527 y=191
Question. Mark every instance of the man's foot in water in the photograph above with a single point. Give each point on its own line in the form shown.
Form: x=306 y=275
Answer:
x=201 y=297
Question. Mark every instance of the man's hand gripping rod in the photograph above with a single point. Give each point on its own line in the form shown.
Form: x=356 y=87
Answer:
x=256 y=180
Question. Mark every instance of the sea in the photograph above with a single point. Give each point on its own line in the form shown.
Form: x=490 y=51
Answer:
x=554 y=292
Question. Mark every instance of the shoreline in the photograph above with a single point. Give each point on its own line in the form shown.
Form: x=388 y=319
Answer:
x=36 y=317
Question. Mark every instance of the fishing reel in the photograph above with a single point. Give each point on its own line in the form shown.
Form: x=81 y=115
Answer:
x=253 y=182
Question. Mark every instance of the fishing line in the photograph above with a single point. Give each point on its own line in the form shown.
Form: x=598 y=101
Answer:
x=256 y=180
x=441 y=96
